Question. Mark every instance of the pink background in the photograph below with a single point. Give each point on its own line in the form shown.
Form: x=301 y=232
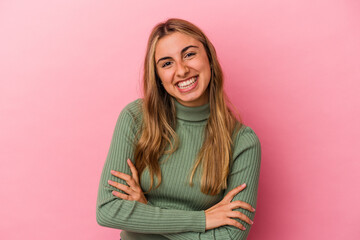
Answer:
x=67 y=68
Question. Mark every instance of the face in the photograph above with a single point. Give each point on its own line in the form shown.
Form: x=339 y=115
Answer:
x=183 y=67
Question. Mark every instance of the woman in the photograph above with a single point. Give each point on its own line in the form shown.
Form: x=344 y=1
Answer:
x=199 y=165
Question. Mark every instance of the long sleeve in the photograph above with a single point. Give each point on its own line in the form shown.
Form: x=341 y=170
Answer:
x=245 y=169
x=131 y=215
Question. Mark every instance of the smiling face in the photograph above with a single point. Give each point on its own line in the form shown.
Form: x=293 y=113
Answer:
x=183 y=67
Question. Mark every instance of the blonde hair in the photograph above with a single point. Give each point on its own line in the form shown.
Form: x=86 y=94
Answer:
x=159 y=117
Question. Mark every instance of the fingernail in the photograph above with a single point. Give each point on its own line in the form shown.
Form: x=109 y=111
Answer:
x=243 y=228
x=251 y=222
x=243 y=185
x=129 y=161
x=253 y=209
x=112 y=171
x=110 y=182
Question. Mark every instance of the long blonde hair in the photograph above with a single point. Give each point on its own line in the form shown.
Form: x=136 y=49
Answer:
x=157 y=135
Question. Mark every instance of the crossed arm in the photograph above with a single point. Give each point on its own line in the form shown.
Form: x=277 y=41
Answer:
x=135 y=216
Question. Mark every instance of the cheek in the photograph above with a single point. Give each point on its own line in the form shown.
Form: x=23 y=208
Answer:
x=165 y=76
x=202 y=65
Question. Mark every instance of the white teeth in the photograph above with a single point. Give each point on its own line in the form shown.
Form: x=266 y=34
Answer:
x=187 y=83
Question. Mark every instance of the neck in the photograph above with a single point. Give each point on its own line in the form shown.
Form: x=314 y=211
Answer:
x=192 y=114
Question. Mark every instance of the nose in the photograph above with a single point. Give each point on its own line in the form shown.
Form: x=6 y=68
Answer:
x=182 y=69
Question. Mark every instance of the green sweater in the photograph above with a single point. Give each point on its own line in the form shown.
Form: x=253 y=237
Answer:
x=175 y=210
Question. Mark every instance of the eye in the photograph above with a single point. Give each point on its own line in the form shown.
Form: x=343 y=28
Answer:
x=166 y=64
x=190 y=54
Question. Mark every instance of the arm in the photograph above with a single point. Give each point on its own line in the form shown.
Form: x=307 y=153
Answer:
x=245 y=169
x=132 y=215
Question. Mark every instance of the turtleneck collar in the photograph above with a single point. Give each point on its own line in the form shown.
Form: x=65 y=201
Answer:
x=192 y=114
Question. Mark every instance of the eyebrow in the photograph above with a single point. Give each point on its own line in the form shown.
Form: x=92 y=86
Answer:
x=182 y=51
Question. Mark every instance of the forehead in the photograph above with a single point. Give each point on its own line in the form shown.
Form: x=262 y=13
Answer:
x=172 y=44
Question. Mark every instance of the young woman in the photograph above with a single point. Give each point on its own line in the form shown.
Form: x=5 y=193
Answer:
x=180 y=165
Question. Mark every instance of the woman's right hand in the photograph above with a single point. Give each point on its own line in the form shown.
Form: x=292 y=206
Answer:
x=222 y=213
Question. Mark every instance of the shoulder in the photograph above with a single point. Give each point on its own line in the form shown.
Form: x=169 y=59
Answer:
x=131 y=114
x=246 y=149
x=246 y=131
x=133 y=108
x=246 y=138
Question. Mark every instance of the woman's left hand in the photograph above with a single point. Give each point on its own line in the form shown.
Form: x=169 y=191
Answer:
x=134 y=190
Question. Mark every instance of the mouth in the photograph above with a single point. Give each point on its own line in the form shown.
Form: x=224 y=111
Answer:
x=187 y=84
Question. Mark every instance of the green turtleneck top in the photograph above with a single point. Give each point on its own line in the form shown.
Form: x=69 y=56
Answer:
x=175 y=210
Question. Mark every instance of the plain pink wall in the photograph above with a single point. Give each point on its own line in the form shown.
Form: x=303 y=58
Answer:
x=67 y=68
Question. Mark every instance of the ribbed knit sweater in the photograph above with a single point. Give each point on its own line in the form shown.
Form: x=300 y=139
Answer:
x=175 y=210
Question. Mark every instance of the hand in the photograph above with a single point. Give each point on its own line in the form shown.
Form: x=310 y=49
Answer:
x=135 y=192
x=221 y=213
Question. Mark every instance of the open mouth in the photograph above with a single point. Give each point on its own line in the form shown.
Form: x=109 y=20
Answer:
x=184 y=85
